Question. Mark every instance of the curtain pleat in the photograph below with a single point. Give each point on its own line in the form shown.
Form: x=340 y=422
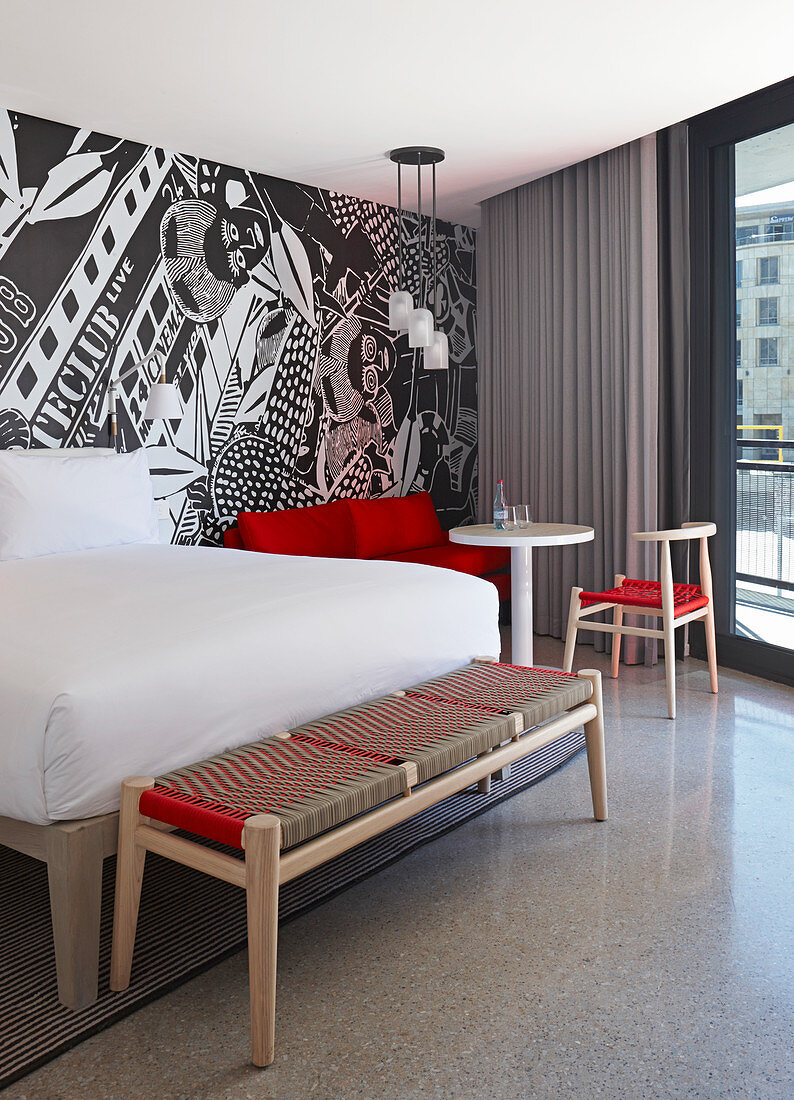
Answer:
x=568 y=367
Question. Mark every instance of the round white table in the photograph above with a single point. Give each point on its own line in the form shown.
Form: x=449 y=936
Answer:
x=521 y=540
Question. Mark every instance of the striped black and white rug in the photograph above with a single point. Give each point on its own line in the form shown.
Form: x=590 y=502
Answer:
x=187 y=921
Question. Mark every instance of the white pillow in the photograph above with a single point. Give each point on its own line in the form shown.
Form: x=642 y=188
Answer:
x=65 y=452
x=64 y=502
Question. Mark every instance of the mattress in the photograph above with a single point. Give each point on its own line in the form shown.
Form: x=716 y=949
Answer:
x=136 y=660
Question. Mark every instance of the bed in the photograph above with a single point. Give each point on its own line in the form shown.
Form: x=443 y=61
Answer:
x=137 y=659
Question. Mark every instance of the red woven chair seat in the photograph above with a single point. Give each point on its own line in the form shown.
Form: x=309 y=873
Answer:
x=635 y=593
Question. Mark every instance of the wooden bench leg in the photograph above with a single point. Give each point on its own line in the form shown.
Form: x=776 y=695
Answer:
x=262 y=836
x=129 y=879
x=74 y=871
x=594 y=740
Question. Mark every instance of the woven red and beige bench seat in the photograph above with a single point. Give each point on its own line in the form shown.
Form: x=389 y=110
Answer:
x=537 y=694
x=293 y=801
x=312 y=787
x=433 y=734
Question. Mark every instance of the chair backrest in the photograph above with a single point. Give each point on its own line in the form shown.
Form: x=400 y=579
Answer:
x=695 y=530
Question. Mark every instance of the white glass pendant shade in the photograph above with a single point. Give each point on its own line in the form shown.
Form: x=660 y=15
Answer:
x=437 y=355
x=420 y=328
x=163 y=403
x=401 y=306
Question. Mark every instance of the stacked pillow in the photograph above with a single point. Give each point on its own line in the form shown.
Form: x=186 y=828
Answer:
x=54 y=502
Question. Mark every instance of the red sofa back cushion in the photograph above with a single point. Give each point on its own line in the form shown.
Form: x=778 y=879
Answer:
x=320 y=531
x=392 y=525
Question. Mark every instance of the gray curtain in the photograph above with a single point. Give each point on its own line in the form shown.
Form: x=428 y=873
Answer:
x=568 y=367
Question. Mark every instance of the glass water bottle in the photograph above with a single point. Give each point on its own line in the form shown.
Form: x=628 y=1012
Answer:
x=500 y=507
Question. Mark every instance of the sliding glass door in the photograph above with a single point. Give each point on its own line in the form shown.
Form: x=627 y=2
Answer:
x=764 y=462
x=741 y=201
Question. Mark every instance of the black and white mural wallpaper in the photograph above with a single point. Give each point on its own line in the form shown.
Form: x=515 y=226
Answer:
x=268 y=300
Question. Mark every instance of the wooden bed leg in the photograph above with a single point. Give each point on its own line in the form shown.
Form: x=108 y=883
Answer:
x=594 y=740
x=74 y=869
x=262 y=837
x=129 y=879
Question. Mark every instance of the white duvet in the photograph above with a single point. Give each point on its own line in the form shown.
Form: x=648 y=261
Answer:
x=135 y=660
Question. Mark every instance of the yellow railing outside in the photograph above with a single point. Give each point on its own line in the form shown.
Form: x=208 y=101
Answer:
x=766 y=428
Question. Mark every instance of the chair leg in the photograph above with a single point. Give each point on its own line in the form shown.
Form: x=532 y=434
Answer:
x=573 y=626
x=711 y=649
x=617 y=620
x=594 y=740
x=669 y=667
x=668 y=625
x=129 y=879
x=262 y=845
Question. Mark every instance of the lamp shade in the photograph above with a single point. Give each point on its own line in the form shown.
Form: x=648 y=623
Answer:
x=163 y=403
x=437 y=355
x=420 y=328
x=401 y=306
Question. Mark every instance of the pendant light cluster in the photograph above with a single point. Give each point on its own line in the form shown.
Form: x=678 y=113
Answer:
x=419 y=322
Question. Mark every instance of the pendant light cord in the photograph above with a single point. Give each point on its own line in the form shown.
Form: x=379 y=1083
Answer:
x=399 y=226
x=419 y=203
x=435 y=258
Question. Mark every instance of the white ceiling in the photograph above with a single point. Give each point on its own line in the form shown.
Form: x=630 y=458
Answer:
x=319 y=90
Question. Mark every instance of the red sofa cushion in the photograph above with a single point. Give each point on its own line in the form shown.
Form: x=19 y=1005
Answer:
x=394 y=525
x=232 y=540
x=502 y=582
x=319 y=531
x=465 y=559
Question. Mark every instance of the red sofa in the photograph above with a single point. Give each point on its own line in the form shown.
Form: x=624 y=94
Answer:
x=390 y=528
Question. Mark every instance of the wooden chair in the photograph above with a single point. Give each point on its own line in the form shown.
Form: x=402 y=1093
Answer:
x=676 y=604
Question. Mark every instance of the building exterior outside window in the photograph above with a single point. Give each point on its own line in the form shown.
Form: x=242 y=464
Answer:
x=767 y=311
x=767 y=352
x=765 y=316
x=768 y=270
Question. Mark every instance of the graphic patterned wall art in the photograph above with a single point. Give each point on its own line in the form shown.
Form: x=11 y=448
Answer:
x=269 y=302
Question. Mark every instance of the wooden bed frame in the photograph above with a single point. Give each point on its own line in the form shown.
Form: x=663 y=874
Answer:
x=74 y=852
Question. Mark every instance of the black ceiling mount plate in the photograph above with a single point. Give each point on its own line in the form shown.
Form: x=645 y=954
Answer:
x=417 y=154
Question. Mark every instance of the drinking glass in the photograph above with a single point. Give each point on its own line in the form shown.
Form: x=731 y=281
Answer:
x=520 y=516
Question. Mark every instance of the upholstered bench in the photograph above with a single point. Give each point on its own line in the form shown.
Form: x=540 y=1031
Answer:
x=293 y=801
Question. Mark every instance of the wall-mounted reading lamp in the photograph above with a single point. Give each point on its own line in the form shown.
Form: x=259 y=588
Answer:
x=163 y=403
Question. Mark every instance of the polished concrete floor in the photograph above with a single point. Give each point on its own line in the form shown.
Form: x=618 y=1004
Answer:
x=532 y=952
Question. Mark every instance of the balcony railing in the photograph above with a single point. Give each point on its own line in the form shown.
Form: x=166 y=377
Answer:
x=765 y=516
